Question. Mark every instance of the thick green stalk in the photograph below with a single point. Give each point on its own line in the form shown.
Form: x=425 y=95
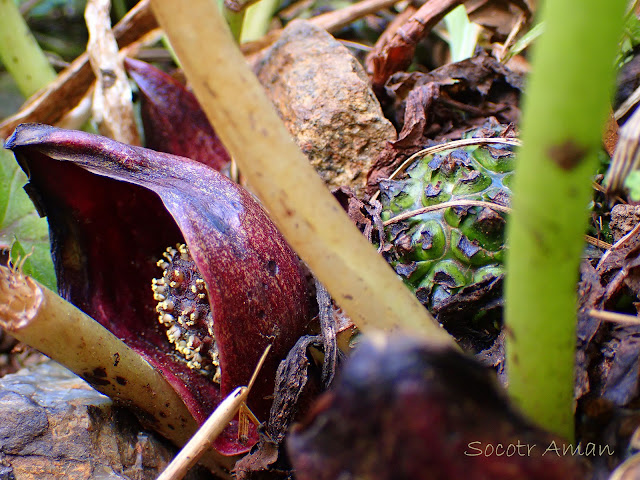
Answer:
x=565 y=107
x=20 y=53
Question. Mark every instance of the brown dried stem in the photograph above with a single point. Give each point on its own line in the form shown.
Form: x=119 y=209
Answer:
x=330 y=21
x=112 y=107
x=40 y=318
x=73 y=82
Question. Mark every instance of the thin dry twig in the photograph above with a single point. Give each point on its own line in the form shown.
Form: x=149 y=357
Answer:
x=614 y=317
x=209 y=431
x=477 y=203
x=465 y=142
x=626 y=106
x=620 y=243
x=443 y=205
x=398 y=21
x=330 y=21
x=596 y=242
x=396 y=55
x=52 y=103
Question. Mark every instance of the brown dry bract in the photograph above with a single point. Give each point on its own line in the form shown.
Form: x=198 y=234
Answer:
x=397 y=53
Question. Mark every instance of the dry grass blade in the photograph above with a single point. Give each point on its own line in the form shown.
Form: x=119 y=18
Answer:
x=210 y=429
x=614 y=317
x=477 y=203
x=443 y=205
x=504 y=50
x=51 y=104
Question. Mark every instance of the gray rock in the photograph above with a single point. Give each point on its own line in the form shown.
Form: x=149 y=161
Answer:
x=54 y=425
x=623 y=219
x=324 y=97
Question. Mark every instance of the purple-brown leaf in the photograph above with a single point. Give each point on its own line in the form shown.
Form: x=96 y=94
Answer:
x=113 y=210
x=401 y=408
x=172 y=118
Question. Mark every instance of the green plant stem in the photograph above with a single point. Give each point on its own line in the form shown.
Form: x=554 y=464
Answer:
x=257 y=20
x=20 y=52
x=564 y=111
x=235 y=20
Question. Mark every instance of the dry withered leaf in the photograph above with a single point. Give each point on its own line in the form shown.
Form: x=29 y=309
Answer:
x=620 y=369
x=410 y=139
x=365 y=215
x=474 y=314
x=607 y=357
x=499 y=16
x=442 y=104
x=297 y=382
x=396 y=55
x=479 y=86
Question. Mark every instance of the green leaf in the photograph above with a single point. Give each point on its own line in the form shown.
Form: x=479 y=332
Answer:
x=632 y=182
x=463 y=35
x=21 y=228
x=526 y=40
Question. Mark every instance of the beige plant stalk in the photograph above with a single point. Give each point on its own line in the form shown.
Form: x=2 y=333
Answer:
x=360 y=281
x=37 y=316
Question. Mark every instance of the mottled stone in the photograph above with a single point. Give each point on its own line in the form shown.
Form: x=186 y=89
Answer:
x=324 y=98
x=623 y=219
x=54 y=425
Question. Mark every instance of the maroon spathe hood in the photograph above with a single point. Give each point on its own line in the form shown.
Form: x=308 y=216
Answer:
x=172 y=118
x=113 y=209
